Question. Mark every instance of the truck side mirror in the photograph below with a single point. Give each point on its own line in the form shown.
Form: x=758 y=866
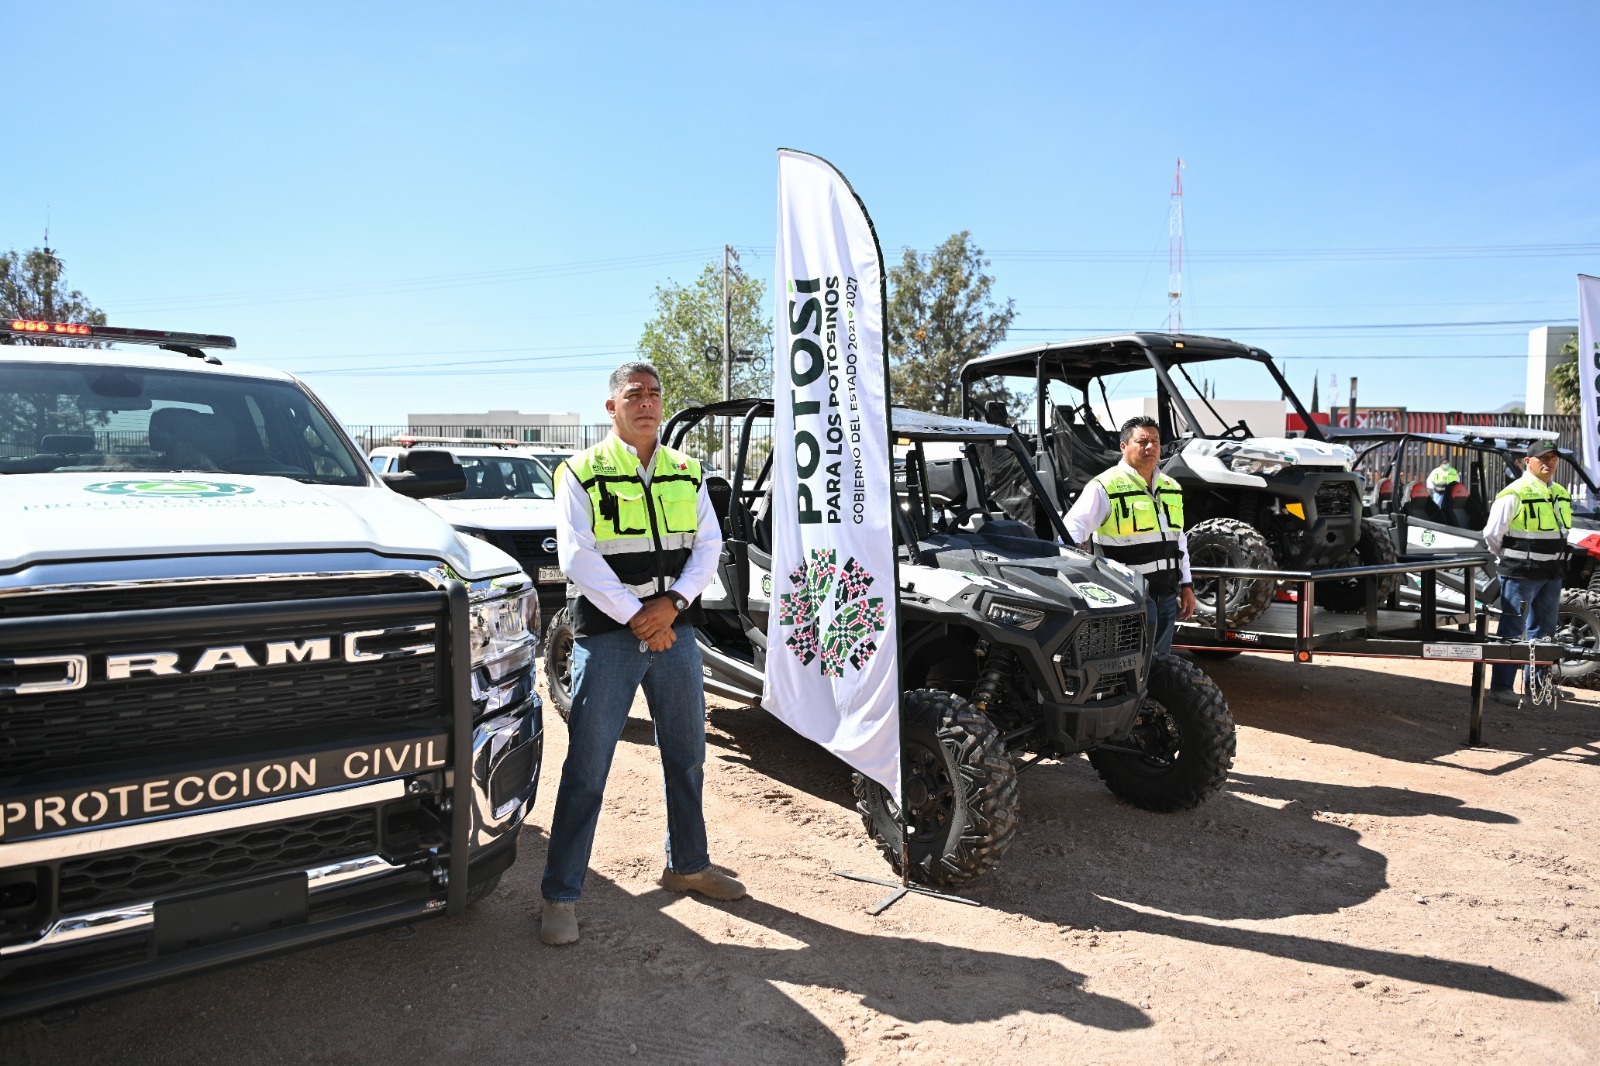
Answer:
x=425 y=473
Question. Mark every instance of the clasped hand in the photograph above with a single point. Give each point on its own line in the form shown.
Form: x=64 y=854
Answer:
x=653 y=623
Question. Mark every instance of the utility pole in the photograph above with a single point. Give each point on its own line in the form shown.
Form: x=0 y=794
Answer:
x=1175 y=253
x=728 y=254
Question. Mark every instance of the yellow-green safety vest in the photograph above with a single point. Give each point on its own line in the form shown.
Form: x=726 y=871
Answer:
x=1141 y=528
x=645 y=533
x=1535 y=544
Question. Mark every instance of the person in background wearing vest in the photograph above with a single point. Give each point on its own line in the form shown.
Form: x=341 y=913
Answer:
x=1439 y=482
x=1134 y=515
x=639 y=541
x=1527 y=533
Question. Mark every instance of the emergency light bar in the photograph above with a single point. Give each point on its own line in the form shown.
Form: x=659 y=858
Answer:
x=1503 y=432
x=405 y=440
x=22 y=327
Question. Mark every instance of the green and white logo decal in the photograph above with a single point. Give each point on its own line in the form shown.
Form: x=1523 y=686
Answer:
x=766 y=585
x=171 y=489
x=1428 y=538
x=1099 y=596
x=853 y=626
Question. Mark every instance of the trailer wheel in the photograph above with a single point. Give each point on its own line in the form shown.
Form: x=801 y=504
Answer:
x=1375 y=548
x=1580 y=625
x=1184 y=734
x=1228 y=542
x=558 y=638
x=961 y=792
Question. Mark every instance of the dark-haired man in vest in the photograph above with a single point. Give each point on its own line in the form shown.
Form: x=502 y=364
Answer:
x=1527 y=532
x=639 y=541
x=1133 y=514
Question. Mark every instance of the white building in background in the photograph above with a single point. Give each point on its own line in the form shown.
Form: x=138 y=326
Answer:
x=1544 y=354
x=532 y=428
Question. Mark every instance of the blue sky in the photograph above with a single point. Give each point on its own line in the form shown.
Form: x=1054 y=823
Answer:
x=426 y=208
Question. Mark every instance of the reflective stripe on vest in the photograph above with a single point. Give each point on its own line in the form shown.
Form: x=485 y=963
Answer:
x=644 y=532
x=1140 y=530
x=1535 y=543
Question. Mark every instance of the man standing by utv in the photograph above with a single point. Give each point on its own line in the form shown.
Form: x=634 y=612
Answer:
x=639 y=541
x=1527 y=532
x=1134 y=515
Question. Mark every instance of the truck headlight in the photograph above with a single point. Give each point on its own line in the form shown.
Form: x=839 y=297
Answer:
x=505 y=624
x=1015 y=615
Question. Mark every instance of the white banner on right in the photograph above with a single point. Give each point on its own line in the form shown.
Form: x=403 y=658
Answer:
x=1589 y=369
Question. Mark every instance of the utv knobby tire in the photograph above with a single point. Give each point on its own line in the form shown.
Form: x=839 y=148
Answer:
x=1230 y=543
x=558 y=638
x=961 y=791
x=1580 y=625
x=1375 y=548
x=1186 y=731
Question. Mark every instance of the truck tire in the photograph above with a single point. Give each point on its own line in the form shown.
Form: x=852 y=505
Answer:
x=1580 y=625
x=1185 y=730
x=1228 y=542
x=482 y=888
x=1375 y=548
x=961 y=792
x=558 y=661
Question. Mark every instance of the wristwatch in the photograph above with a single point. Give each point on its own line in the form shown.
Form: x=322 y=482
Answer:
x=678 y=601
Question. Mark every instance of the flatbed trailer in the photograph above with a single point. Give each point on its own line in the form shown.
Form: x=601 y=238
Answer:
x=1298 y=629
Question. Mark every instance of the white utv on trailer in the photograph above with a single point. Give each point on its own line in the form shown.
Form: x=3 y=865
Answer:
x=251 y=697
x=1253 y=498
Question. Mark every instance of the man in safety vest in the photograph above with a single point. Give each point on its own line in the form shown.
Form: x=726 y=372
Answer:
x=1134 y=515
x=1527 y=532
x=639 y=541
x=1439 y=481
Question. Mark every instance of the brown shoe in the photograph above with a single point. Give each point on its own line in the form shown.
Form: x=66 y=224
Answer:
x=709 y=882
x=559 y=924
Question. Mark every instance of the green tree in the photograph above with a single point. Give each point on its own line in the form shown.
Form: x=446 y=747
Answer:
x=942 y=312
x=688 y=323
x=31 y=287
x=1564 y=376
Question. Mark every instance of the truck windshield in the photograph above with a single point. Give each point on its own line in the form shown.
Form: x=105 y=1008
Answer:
x=504 y=477
x=57 y=417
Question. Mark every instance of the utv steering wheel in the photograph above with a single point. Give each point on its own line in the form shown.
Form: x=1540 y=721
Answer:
x=1237 y=431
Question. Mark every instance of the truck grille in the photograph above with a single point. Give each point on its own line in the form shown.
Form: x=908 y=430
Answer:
x=1102 y=638
x=157 y=870
x=225 y=713
x=1336 y=499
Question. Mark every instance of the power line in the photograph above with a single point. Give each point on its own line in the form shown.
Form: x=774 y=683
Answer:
x=1332 y=326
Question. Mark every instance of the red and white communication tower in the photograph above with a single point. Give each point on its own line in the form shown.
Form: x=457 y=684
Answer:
x=1175 y=254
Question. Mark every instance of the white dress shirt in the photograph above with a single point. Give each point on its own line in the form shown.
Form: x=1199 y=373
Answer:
x=586 y=568
x=1091 y=508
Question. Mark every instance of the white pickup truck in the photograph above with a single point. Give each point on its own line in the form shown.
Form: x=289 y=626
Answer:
x=251 y=696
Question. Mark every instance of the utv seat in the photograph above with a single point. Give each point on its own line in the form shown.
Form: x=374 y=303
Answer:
x=720 y=491
x=1420 y=505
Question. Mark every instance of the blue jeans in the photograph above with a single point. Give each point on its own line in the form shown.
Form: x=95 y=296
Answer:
x=1162 y=608
x=1537 y=599
x=606 y=672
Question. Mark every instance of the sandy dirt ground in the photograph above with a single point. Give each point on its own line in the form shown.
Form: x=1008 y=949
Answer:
x=1362 y=890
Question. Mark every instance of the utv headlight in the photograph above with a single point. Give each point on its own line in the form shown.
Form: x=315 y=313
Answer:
x=1015 y=615
x=505 y=624
x=1259 y=461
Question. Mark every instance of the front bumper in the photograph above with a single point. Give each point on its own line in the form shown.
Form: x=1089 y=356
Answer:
x=398 y=872
x=1330 y=503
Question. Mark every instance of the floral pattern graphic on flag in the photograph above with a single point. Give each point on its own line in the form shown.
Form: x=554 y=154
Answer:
x=850 y=635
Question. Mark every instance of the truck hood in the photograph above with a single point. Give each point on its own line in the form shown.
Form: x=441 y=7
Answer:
x=1018 y=568
x=495 y=514
x=80 y=516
